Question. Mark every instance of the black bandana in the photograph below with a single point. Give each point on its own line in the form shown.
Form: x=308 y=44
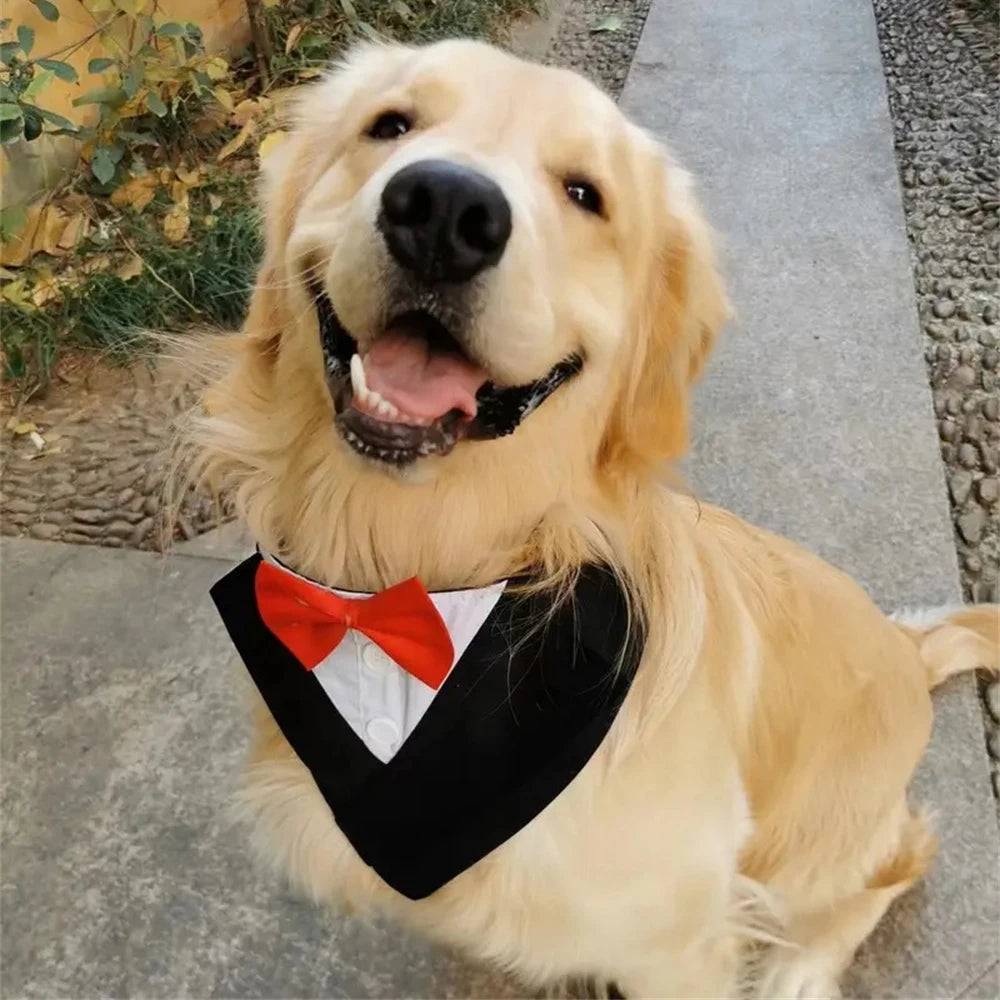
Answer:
x=521 y=712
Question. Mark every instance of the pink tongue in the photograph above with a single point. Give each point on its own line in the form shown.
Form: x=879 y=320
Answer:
x=401 y=369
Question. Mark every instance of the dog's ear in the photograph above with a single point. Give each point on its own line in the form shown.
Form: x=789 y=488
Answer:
x=681 y=310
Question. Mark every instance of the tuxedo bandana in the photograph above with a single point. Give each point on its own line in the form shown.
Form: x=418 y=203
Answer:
x=435 y=725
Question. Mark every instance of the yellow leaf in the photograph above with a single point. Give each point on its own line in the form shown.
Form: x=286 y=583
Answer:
x=210 y=221
x=49 y=231
x=294 y=33
x=18 y=427
x=308 y=74
x=268 y=143
x=216 y=68
x=224 y=97
x=237 y=143
x=17 y=294
x=179 y=193
x=176 y=223
x=189 y=178
x=270 y=3
x=132 y=268
x=250 y=108
x=214 y=201
x=18 y=248
x=76 y=228
x=46 y=289
x=95 y=263
x=136 y=192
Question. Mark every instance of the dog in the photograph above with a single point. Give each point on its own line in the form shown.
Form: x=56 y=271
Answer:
x=484 y=300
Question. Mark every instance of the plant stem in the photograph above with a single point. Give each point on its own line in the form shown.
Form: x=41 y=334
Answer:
x=261 y=48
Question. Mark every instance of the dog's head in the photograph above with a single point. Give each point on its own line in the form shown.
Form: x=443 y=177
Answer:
x=463 y=247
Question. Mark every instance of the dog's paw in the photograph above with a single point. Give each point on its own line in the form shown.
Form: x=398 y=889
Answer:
x=789 y=975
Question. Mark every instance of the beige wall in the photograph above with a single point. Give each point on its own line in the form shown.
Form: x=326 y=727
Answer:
x=28 y=169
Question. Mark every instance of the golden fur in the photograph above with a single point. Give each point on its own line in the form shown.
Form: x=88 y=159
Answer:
x=753 y=788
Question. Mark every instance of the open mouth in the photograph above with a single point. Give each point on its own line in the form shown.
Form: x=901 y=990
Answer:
x=415 y=392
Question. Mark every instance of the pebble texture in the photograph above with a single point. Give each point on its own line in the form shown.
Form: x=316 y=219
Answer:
x=942 y=60
x=100 y=477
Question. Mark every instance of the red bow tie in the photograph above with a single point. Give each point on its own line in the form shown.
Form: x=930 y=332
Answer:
x=312 y=622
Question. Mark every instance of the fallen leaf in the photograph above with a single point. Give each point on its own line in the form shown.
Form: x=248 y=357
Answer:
x=210 y=221
x=76 y=228
x=177 y=222
x=189 y=178
x=249 y=108
x=216 y=68
x=308 y=74
x=132 y=268
x=610 y=23
x=224 y=97
x=17 y=293
x=214 y=201
x=19 y=427
x=294 y=34
x=49 y=231
x=270 y=3
x=37 y=440
x=238 y=142
x=269 y=142
x=57 y=450
x=136 y=192
x=46 y=288
x=15 y=251
x=95 y=263
x=179 y=193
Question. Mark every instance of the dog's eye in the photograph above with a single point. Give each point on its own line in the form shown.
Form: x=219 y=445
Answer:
x=585 y=195
x=390 y=125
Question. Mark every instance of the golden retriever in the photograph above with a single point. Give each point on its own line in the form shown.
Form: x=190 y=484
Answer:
x=745 y=822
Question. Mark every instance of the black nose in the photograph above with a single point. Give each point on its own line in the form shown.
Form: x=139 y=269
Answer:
x=443 y=221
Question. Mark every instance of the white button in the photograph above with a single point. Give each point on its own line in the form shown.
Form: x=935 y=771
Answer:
x=374 y=659
x=383 y=731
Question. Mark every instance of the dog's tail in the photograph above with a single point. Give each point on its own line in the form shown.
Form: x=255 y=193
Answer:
x=952 y=641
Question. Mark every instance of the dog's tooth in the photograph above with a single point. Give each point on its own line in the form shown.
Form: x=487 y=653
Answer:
x=358 y=382
x=386 y=408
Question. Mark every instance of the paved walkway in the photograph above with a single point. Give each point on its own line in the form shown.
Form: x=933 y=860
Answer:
x=122 y=713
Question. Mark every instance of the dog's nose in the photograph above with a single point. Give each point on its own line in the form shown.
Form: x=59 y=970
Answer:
x=443 y=221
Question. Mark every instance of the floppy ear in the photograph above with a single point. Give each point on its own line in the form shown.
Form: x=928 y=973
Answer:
x=682 y=308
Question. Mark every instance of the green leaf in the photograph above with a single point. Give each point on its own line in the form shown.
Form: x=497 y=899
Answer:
x=203 y=80
x=48 y=10
x=132 y=79
x=171 y=30
x=32 y=124
x=102 y=166
x=156 y=105
x=63 y=70
x=8 y=112
x=350 y=11
x=6 y=94
x=610 y=23
x=112 y=96
x=39 y=83
x=366 y=29
x=99 y=65
x=403 y=10
x=4 y=23
x=115 y=152
x=12 y=220
x=26 y=37
x=8 y=50
x=11 y=129
x=63 y=124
